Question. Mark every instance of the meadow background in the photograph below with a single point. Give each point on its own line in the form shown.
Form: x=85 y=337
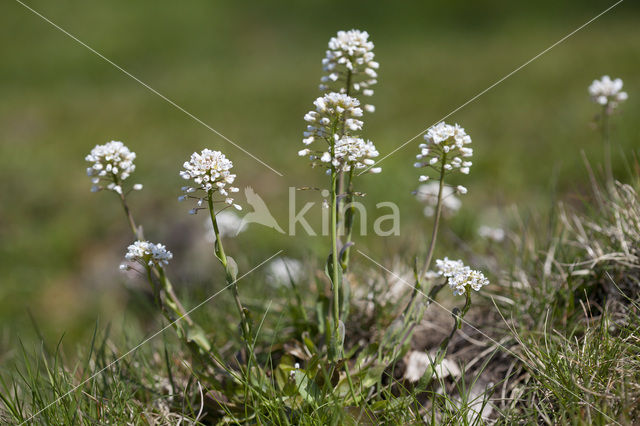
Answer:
x=250 y=70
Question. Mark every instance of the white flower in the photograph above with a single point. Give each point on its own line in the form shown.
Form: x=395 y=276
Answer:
x=335 y=122
x=428 y=193
x=495 y=234
x=350 y=58
x=283 y=269
x=459 y=276
x=607 y=92
x=112 y=164
x=447 y=268
x=148 y=254
x=354 y=153
x=210 y=172
x=334 y=112
x=445 y=148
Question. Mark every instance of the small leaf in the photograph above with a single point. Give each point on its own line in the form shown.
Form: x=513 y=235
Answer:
x=329 y=271
x=341 y=332
x=283 y=372
x=232 y=268
x=372 y=375
x=365 y=354
x=322 y=313
x=197 y=335
x=307 y=388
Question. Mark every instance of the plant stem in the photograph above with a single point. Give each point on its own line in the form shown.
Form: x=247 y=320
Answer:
x=229 y=275
x=604 y=123
x=436 y=221
x=137 y=232
x=348 y=83
x=171 y=298
x=408 y=313
x=348 y=221
x=457 y=317
x=334 y=257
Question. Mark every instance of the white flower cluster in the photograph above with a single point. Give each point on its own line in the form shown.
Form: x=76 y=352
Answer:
x=607 y=92
x=445 y=148
x=334 y=111
x=147 y=254
x=112 y=163
x=348 y=153
x=459 y=276
x=353 y=153
x=428 y=193
x=350 y=60
x=335 y=120
x=210 y=171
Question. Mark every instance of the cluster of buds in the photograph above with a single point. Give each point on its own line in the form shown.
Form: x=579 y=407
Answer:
x=460 y=277
x=147 y=254
x=334 y=112
x=349 y=65
x=445 y=150
x=112 y=164
x=210 y=172
x=607 y=92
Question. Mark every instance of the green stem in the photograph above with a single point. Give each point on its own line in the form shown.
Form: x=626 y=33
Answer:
x=348 y=221
x=604 y=123
x=348 y=83
x=230 y=275
x=171 y=298
x=436 y=221
x=457 y=325
x=410 y=319
x=137 y=232
x=334 y=259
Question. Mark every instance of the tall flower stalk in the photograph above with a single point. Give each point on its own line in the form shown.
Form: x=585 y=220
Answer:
x=608 y=94
x=350 y=69
x=210 y=173
x=444 y=151
x=335 y=123
x=112 y=163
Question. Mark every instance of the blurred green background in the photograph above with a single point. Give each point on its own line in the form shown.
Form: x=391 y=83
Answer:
x=250 y=70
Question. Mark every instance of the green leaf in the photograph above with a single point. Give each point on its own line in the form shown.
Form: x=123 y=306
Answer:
x=308 y=343
x=329 y=271
x=372 y=375
x=345 y=299
x=322 y=313
x=307 y=388
x=366 y=353
x=197 y=335
x=232 y=268
x=283 y=370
